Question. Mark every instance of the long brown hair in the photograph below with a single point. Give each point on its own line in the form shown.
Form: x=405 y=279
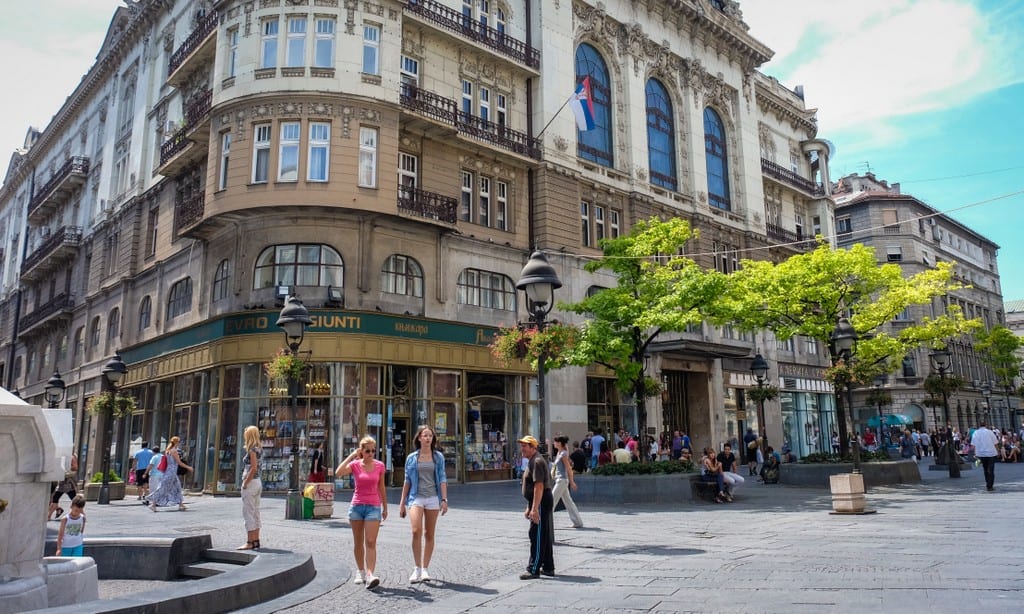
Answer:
x=434 y=446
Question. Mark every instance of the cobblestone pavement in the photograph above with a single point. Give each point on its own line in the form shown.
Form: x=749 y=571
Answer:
x=941 y=546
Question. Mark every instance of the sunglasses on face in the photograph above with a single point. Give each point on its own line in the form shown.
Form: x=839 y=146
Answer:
x=370 y=450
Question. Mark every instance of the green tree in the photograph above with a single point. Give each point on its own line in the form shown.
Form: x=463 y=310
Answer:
x=998 y=348
x=807 y=294
x=658 y=291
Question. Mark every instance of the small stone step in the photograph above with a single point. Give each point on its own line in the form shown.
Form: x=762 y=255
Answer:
x=205 y=569
x=238 y=557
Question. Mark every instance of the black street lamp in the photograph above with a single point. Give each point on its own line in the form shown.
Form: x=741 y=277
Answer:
x=54 y=390
x=879 y=387
x=941 y=362
x=294 y=319
x=538 y=281
x=844 y=336
x=759 y=369
x=113 y=373
x=986 y=392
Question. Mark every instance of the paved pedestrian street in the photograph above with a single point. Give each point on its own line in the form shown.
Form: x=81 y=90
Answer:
x=940 y=546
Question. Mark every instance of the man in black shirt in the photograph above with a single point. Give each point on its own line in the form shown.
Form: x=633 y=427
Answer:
x=729 y=475
x=537 y=484
x=578 y=458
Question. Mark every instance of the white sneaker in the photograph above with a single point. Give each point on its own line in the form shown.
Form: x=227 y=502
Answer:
x=360 y=577
x=372 y=581
x=416 y=576
x=424 y=576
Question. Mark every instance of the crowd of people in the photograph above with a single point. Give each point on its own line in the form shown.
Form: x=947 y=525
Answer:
x=918 y=443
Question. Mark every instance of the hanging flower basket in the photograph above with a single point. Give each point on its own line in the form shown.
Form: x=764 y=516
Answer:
x=554 y=344
x=285 y=365
x=115 y=405
x=764 y=393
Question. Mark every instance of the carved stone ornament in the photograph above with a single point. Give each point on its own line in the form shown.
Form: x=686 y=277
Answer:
x=561 y=143
x=290 y=108
x=320 y=108
x=641 y=173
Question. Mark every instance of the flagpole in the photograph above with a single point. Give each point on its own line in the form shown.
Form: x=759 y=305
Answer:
x=567 y=101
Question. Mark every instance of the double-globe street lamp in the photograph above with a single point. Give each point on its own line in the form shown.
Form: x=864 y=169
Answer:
x=759 y=369
x=940 y=360
x=113 y=373
x=538 y=281
x=844 y=336
x=54 y=390
x=294 y=319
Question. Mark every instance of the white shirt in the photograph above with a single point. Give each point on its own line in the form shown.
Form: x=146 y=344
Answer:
x=984 y=442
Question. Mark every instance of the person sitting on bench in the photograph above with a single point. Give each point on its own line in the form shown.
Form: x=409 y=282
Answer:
x=711 y=471
x=770 y=468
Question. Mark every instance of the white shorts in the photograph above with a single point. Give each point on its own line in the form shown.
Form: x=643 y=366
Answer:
x=427 y=503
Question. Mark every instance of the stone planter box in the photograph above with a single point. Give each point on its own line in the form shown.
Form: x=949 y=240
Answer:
x=627 y=489
x=92 y=490
x=817 y=475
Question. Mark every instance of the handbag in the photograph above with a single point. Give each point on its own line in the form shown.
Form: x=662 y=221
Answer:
x=162 y=465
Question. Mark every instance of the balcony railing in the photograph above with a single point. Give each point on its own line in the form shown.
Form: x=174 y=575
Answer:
x=198 y=109
x=57 y=304
x=787 y=176
x=429 y=205
x=446 y=111
x=68 y=236
x=789 y=238
x=195 y=114
x=454 y=21
x=195 y=38
x=190 y=210
x=76 y=166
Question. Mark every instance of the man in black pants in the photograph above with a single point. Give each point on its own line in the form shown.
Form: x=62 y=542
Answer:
x=539 y=510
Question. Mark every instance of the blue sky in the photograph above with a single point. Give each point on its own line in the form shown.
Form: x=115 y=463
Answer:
x=927 y=93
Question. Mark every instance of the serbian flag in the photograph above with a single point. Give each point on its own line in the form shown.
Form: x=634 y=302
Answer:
x=583 y=106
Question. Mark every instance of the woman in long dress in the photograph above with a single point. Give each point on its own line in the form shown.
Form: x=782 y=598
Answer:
x=169 y=491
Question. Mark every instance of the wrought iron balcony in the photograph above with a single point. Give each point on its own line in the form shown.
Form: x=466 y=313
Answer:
x=60 y=305
x=454 y=21
x=190 y=211
x=195 y=42
x=446 y=111
x=787 y=176
x=428 y=205
x=59 y=246
x=788 y=238
x=196 y=114
x=69 y=176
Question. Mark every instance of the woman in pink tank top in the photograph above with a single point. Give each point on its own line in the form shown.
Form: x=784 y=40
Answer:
x=368 y=508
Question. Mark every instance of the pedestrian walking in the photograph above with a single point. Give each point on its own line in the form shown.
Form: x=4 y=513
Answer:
x=71 y=536
x=169 y=491
x=565 y=481
x=750 y=443
x=424 y=497
x=595 y=449
x=539 y=510
x=368 y=509
x=252 y=487
x=984 y=444
x=68 y=486
x=142 y=458
x=153 y=474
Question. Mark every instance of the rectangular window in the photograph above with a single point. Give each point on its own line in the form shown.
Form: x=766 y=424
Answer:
x=288 y=156
x=613 y=226
x=893 y=253
x=323 y=45
x=598 y=224
x=368 y=157
x=261 y=153
x=843 y=225
x=225 y=157
x=371 y=49
x=485 y=104
x=268 y=44
x=501 y=110
x=407 y=177
x=501 y=207
x=232 y=66
x=467 y=98
x=484 y=202
x=295 y=53
x=811 y=346
x=585 y=223
x=410 y=71
x=151 y=231
x=319 y=150
x=466 y=205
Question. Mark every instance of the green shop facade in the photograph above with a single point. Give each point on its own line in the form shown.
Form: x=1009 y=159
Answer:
x=369 y=374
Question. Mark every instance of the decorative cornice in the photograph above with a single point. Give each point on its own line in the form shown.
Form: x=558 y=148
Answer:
x=799 y=119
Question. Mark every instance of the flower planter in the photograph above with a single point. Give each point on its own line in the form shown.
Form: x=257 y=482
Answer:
x=92 y=490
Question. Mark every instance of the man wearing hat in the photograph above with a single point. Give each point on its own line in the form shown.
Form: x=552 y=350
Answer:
x=540 y=506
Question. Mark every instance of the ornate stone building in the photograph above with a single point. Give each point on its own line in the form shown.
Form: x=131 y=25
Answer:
x=393 y=163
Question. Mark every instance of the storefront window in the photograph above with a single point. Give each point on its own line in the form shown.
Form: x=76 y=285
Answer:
x=489 y=414
x=445 y=419
x=808 y=420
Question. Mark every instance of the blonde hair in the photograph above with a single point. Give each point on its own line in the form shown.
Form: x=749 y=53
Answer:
x=366 y=440
x=174 y=441
x=252 y=437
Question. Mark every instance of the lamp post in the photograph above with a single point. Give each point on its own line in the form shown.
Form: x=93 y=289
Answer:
x=879 y=387
x=844 y=336
x=538 y=281
x=54 y=390
x=113 y=372
x=294 y=319
x=941 y=362
x=986 y=392
x=759 y=369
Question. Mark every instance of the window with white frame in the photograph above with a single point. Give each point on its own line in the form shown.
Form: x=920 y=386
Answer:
x=466 y=204
x=598 y=223
x=843 y=225
x=501 y=206
x=323 y=44
x=295 y=52
x=407 y=174
x=261 y=153
x=613 y=224
x=811 y=346
x=500 y=110
x=122 y=167
x=410 y=71
x=726 y=257
x=585 y=224
x=371 y=49
x=893 y=253
x=303 y=264
x=288 y=156
x=225 y=157
x=485 y=103
x=785 y=345
x=110 y=255
x=484 y=202
x=268 y=43
x=367 y=157
x=232 y=62
x=402 y=275
x=126 y=110
x=486 y=289
x=467 y=97
x=152 y=231
x=319 y=150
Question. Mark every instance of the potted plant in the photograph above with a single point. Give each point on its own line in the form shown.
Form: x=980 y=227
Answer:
x=285 y=365
x=111 y=404
x=114 y=483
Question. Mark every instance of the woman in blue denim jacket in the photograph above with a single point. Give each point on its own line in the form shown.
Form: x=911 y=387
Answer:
x=425 y=493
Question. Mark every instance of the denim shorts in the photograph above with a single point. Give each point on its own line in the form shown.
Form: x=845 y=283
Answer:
x=359 y=511
x=427 y=503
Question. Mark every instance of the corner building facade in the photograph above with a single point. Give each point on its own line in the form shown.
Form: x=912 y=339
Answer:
x=393 y=164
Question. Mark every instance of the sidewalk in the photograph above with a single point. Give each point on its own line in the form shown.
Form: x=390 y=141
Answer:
x=942 y=546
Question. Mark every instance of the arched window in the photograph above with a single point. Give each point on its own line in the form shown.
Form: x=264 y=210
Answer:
x=94 y=332
x=180 y=299
x=596 y=145
x=114 y=324
x=486 y=289
x=299 y=265
x=79 y=348
x=402 y=275
x=47 y=357
x=145 y=313
x=30 y=364
x=718 y=166
x=661 y=145
x=62 y=349
x=221 y=280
